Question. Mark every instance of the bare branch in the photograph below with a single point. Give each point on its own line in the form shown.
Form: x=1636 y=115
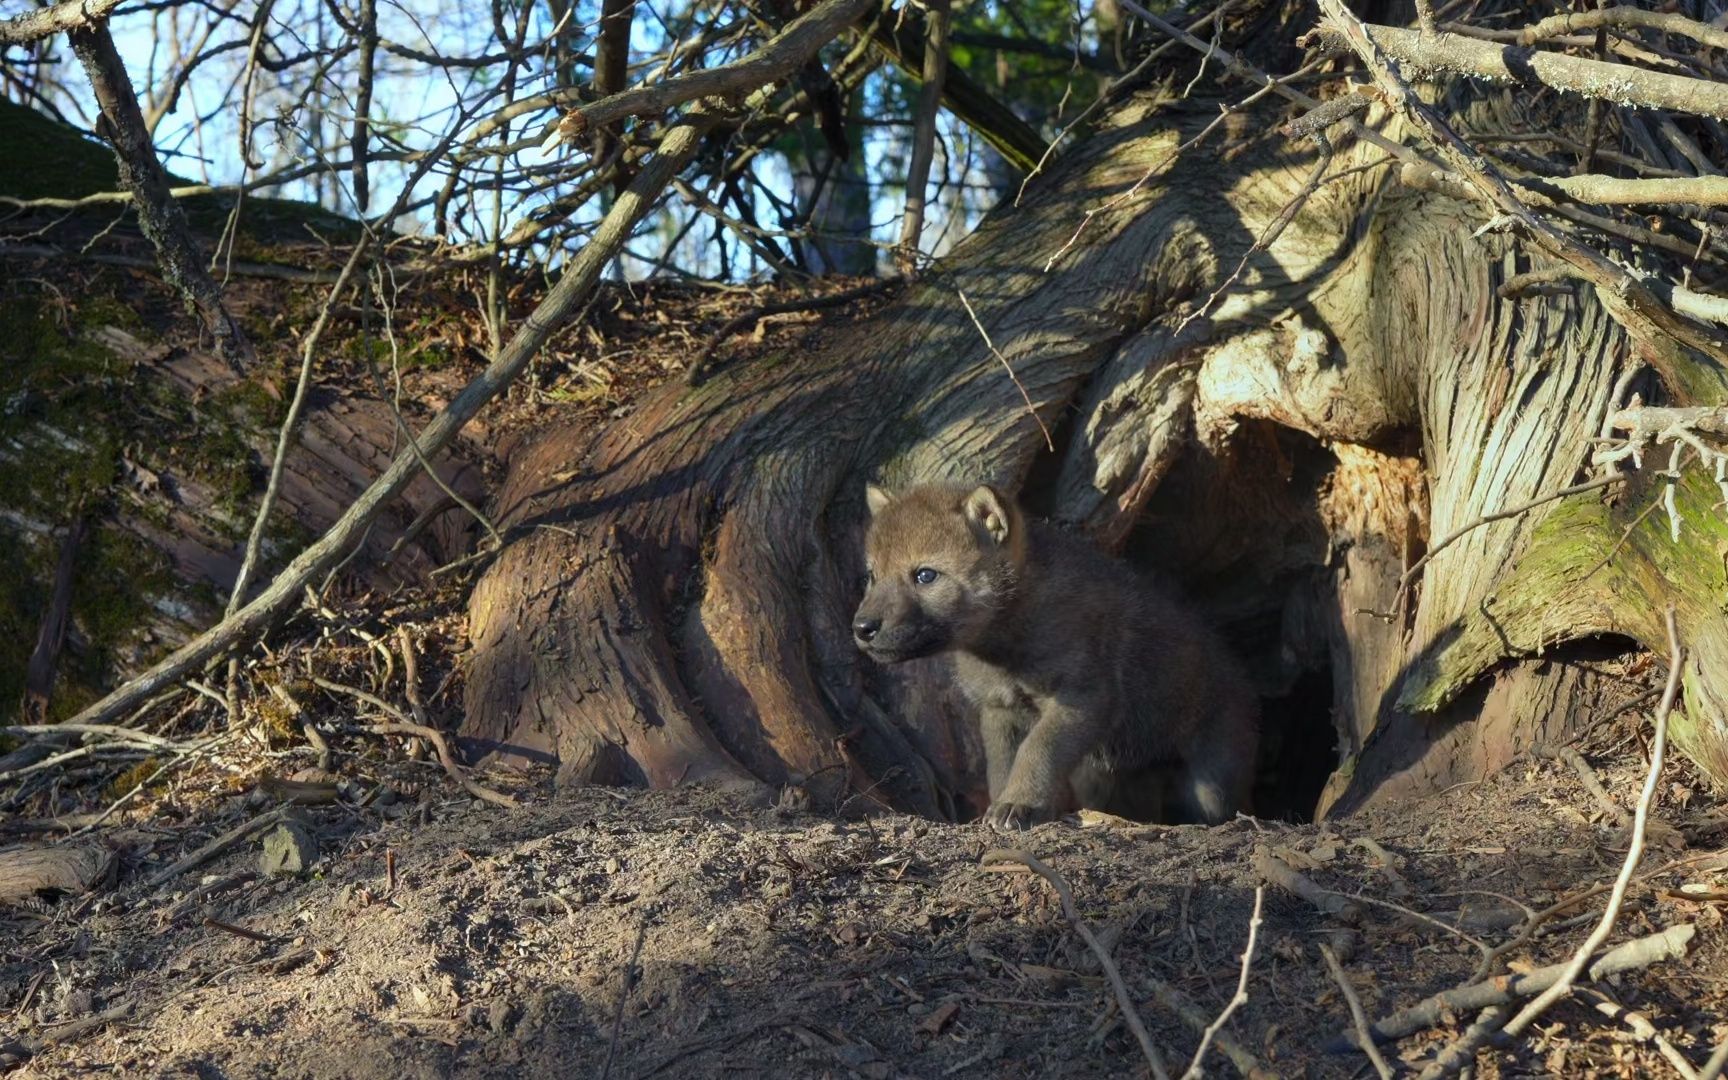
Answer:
x=902 y=36
x=777 y=59
x=1238 y=999
x=141 y=173
x=1627 y=297
x=1634 y=954
x=1364 y=1038
x=1696 y=190
x=924 y=136
x=1621 y=84
x=1124 y=1001
x=59 y=19
x=1610 y=18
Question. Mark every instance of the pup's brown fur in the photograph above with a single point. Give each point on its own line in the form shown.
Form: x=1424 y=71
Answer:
x=1090 y=683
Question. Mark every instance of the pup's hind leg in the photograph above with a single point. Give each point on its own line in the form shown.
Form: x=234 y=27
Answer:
x=1218 y=770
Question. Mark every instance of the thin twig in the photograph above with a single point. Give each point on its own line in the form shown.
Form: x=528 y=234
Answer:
x=217 y=846
x=1586 y=776
x=1363 y=1038
x=237 y=931
x=582 y=273
x=924 y=135
x=998 y=856
x=1237 y=1000
x=405 y=726
x=1718 y=1061
x=1499 y=515
x=624 y=996
x=1018 y=385
x=1643 y=1029
x=699 y=366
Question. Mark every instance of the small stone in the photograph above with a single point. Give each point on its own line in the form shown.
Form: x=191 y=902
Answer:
x=289 y=848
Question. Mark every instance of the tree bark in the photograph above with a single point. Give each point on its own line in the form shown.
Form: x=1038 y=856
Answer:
x=673 y=604
x=676 y=608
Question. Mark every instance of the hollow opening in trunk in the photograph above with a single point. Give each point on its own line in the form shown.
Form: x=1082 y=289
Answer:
x=1297 y=749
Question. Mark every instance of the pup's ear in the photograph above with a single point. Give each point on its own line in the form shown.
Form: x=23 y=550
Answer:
x=989 y=511
x=876 y=498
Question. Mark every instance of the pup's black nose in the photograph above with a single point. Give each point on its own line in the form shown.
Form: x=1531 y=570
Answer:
x=865 y=629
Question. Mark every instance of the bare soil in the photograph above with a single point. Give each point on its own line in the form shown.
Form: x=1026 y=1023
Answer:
x=695 y=933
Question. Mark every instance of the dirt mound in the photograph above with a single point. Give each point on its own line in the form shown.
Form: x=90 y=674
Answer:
x=688 y=933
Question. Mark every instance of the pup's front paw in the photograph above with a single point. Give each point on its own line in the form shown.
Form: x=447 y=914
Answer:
x=1006 y=816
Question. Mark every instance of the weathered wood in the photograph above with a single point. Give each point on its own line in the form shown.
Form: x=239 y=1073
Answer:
x=32 y=872
x=693 y=582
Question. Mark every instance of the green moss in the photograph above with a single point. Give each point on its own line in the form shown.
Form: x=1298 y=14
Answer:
x=45 y=159
x=133 y=778
x=73 y=418
x=1596 y=568
x=95 y=310
x=433 y=355
x=367 y=350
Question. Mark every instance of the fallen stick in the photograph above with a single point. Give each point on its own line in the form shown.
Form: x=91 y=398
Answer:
x=237 y=931
x=216 y=847
x=994 y=859
x=1238 y=999
x=111 y=731
x=405 y=726
x=1357 y=1016
x=580 y=276
x=1586 y=776
x=1183 y=1006
x=1718 y=1060
x=1634 y=954
x=1644 y=1030
x=78 y=1027
x=1460 y=1053
x=1283 y=875
x=204 y=892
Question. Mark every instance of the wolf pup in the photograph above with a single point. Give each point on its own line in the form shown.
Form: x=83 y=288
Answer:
x=1090 y=683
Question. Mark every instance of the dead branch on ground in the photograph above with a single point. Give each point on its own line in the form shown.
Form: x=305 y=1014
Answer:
x=1634 y=954
x=1364 y=1039
x=404 y=726
x=1634 y=851
x=996 y=858
x=1239 y=998
x=579 y=278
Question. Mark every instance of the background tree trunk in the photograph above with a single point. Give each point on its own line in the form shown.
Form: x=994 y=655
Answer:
x=673 y=606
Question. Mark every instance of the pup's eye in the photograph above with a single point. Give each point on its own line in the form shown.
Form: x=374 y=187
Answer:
x=869 y=578
x=924 y=575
